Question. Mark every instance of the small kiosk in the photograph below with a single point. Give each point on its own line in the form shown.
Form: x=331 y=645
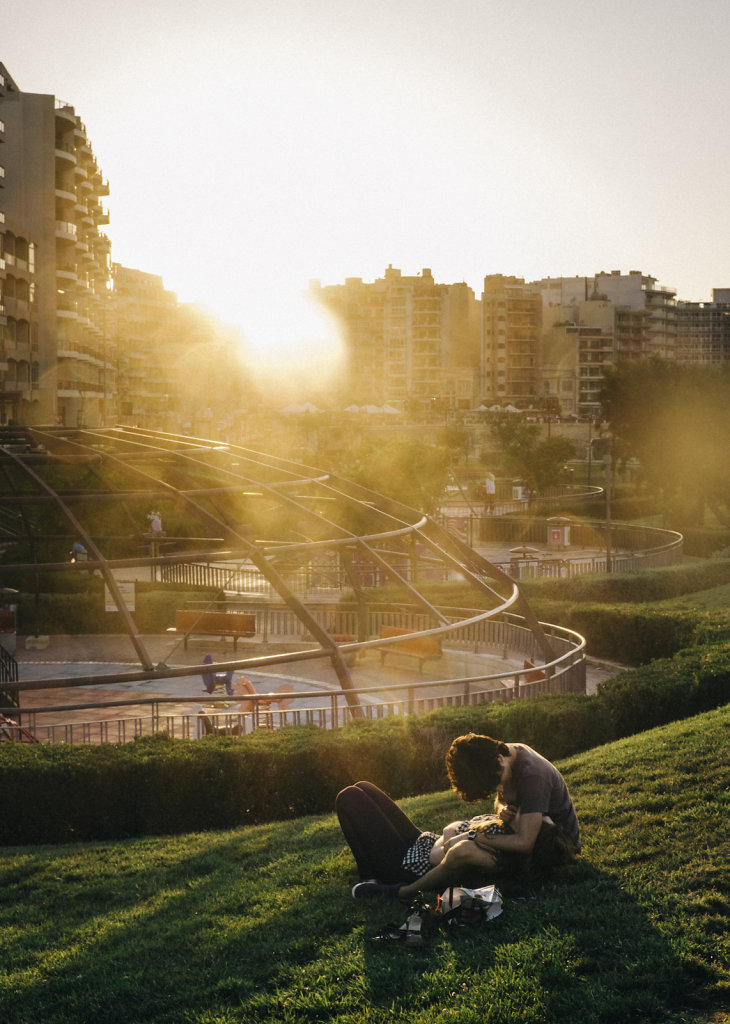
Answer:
x=558 y=533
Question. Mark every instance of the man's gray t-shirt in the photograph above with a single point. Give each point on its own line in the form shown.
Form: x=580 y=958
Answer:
x=536 y=786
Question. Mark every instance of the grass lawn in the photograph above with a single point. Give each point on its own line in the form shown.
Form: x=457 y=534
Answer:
x=257 y=924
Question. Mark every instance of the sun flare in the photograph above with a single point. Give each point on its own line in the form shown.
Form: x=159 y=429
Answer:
x=289 y=340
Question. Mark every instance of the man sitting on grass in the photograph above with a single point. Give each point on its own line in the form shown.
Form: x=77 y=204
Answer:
x=535 y=829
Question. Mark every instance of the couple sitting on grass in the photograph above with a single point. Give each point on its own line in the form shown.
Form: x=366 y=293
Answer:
x=533 y=831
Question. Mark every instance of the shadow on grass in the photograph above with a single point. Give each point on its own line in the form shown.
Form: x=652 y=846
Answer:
x=578 y=949
x=261 y=927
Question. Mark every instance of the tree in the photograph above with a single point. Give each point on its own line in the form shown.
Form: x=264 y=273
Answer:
x=676 y=421
x=403 y=468
x=526 y=455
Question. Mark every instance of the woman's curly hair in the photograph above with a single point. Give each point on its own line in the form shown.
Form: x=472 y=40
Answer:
x=473 y=767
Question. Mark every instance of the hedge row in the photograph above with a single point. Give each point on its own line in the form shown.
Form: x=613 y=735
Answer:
x=636 y=634
x=57 y=793
x=615 y=612
x=61 y=612
x=636 y=586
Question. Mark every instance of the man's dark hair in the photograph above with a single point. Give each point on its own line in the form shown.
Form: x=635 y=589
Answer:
x=473 y=767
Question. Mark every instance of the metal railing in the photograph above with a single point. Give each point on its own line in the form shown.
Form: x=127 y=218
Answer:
x=223 y=715
x=631 y=546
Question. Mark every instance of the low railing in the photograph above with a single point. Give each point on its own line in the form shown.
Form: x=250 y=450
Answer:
x=632 y=547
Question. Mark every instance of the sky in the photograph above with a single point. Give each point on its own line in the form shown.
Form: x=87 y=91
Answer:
x=253 y=146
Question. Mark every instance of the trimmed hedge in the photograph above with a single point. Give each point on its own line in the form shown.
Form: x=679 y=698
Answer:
x=633 y=634
x=614 y=612
x=57 y=793
x=55 y=613
x=637 y=586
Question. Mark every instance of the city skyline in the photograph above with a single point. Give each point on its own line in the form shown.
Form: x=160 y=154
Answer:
x=269 y=145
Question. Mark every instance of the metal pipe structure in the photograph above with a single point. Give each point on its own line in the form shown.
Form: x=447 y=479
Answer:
x=283 y=520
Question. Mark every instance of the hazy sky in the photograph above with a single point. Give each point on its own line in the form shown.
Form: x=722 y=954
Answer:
x=251 y=145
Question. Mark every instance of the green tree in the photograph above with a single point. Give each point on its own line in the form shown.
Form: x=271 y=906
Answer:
x=676 y=421
x=404 y=468
x=527 y=455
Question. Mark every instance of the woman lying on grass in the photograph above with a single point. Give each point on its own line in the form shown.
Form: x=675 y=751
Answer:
x=395 y=858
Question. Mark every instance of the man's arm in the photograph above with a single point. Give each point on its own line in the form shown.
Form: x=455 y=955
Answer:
x=522 y=840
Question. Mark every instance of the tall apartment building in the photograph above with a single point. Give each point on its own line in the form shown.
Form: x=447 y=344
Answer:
x=578 y=344
x=145 y=326
x=703 y=330
x=58 y=363
x=408 y=339
x=511 y=359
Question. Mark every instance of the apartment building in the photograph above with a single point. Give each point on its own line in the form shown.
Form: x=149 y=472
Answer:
x=19 y=362
x=703 y=330
x=645 y=320
x=145 y=322
x=410 y=341
x=511 y=342
x=58 y=362
x=578 y=343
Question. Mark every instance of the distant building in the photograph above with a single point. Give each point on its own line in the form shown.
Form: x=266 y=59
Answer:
x=146 y=330
x=578 y=344
x=645 y=317
x=511 y=342
x=57 y=363
x=409 y=340
x=703 y=330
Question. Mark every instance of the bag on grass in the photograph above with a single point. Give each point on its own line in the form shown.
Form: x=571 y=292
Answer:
x=461 y=906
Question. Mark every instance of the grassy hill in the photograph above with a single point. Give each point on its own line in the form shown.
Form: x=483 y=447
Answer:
x=257 y=925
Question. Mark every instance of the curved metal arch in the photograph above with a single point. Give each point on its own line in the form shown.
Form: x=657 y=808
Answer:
x=265 y=568
x=387 y=521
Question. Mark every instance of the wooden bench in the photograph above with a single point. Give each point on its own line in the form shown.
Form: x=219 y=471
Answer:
x=234 y=624
x=413 y=646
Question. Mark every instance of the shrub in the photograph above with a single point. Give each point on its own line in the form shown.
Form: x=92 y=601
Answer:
x=703 y=542
x=60 y=612
x=668 y=689
x=629 y=634
x=637 y=586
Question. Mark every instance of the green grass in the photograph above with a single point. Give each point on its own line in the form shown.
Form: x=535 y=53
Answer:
x=257 y=924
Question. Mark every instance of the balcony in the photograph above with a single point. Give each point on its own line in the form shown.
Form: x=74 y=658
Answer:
x=67 y=110
x=66 y=231
x=66 y=154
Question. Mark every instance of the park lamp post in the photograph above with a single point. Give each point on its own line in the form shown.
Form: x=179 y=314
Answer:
x=607 y=461
x=601 y=448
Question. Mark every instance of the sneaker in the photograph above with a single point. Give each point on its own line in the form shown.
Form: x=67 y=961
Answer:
x=363 y=890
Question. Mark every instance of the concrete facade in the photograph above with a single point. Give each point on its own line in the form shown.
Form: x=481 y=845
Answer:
x=511 y=360
x=146 y=327
x=409 y=340
x=60 y=365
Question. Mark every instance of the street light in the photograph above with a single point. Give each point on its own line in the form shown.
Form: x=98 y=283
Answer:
x=607 y=461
